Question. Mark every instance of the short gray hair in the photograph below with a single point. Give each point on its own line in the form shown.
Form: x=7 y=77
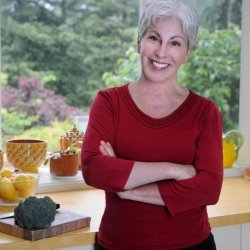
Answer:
x=163 y=9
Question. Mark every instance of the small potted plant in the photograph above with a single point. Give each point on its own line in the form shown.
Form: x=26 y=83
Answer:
x=64 y=163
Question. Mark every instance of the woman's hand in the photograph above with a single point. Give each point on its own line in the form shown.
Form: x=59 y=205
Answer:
x=182 y=172
x=148 y=194
x=106 y=149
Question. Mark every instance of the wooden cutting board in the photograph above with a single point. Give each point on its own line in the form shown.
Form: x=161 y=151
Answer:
x=65 y=221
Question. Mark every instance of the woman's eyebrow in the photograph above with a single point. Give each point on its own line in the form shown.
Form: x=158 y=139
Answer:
x=178 y=37
x=153 y=31
x=171 y=38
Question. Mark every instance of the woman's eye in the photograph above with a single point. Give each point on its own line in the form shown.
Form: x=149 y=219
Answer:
x=154 y=38
x=175 y=43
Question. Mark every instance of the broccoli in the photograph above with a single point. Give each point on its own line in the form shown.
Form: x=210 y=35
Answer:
x=35 y=213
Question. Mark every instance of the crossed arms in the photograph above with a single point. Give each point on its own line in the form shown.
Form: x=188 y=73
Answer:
x=141 y=184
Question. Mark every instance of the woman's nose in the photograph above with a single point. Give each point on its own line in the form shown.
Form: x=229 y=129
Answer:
x=161 y=51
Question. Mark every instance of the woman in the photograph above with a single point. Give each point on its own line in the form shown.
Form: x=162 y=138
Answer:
x=154 y=146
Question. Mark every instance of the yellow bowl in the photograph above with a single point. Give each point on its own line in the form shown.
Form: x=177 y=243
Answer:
x=16 y=187
x=26 y=154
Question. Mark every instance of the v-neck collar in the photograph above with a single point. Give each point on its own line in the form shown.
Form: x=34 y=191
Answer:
x=156 y=122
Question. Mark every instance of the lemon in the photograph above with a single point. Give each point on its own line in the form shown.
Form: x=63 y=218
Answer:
x=25 y=184
x=229 y=154
x=31 y=176
x=21 y=182
x=7 y=190
x=232 y=142
x=6 y=172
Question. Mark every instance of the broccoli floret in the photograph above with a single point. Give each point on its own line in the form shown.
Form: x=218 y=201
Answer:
x=35 y=213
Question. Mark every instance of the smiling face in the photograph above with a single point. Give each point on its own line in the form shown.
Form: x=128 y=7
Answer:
x=163 y=49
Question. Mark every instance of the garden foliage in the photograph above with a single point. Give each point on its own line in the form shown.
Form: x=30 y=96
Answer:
x=31 y=104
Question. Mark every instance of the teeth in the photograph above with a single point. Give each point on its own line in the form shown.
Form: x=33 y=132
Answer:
x=160 y=65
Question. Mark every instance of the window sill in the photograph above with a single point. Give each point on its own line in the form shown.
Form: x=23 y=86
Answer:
x=49 y=184
x=235 y=171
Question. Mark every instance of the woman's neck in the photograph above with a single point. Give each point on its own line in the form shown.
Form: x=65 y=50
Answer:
x=158 y=90
x=157 y=100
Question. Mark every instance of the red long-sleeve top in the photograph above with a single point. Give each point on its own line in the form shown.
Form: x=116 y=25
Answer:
x=192 y=134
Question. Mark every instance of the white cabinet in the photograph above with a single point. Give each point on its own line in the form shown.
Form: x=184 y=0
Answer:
x=228 y=238
x=236 y=237
x=245 y=236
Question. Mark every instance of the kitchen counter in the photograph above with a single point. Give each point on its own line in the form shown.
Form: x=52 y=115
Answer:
x=234 y=203
x=233 y=208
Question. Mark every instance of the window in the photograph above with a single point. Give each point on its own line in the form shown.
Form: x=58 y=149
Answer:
x=53 y=56
x=49 y=78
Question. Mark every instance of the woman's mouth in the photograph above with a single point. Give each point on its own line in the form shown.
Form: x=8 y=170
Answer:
x=159 y=66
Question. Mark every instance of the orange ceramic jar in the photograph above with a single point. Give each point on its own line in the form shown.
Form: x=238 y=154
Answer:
x=66 y=165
